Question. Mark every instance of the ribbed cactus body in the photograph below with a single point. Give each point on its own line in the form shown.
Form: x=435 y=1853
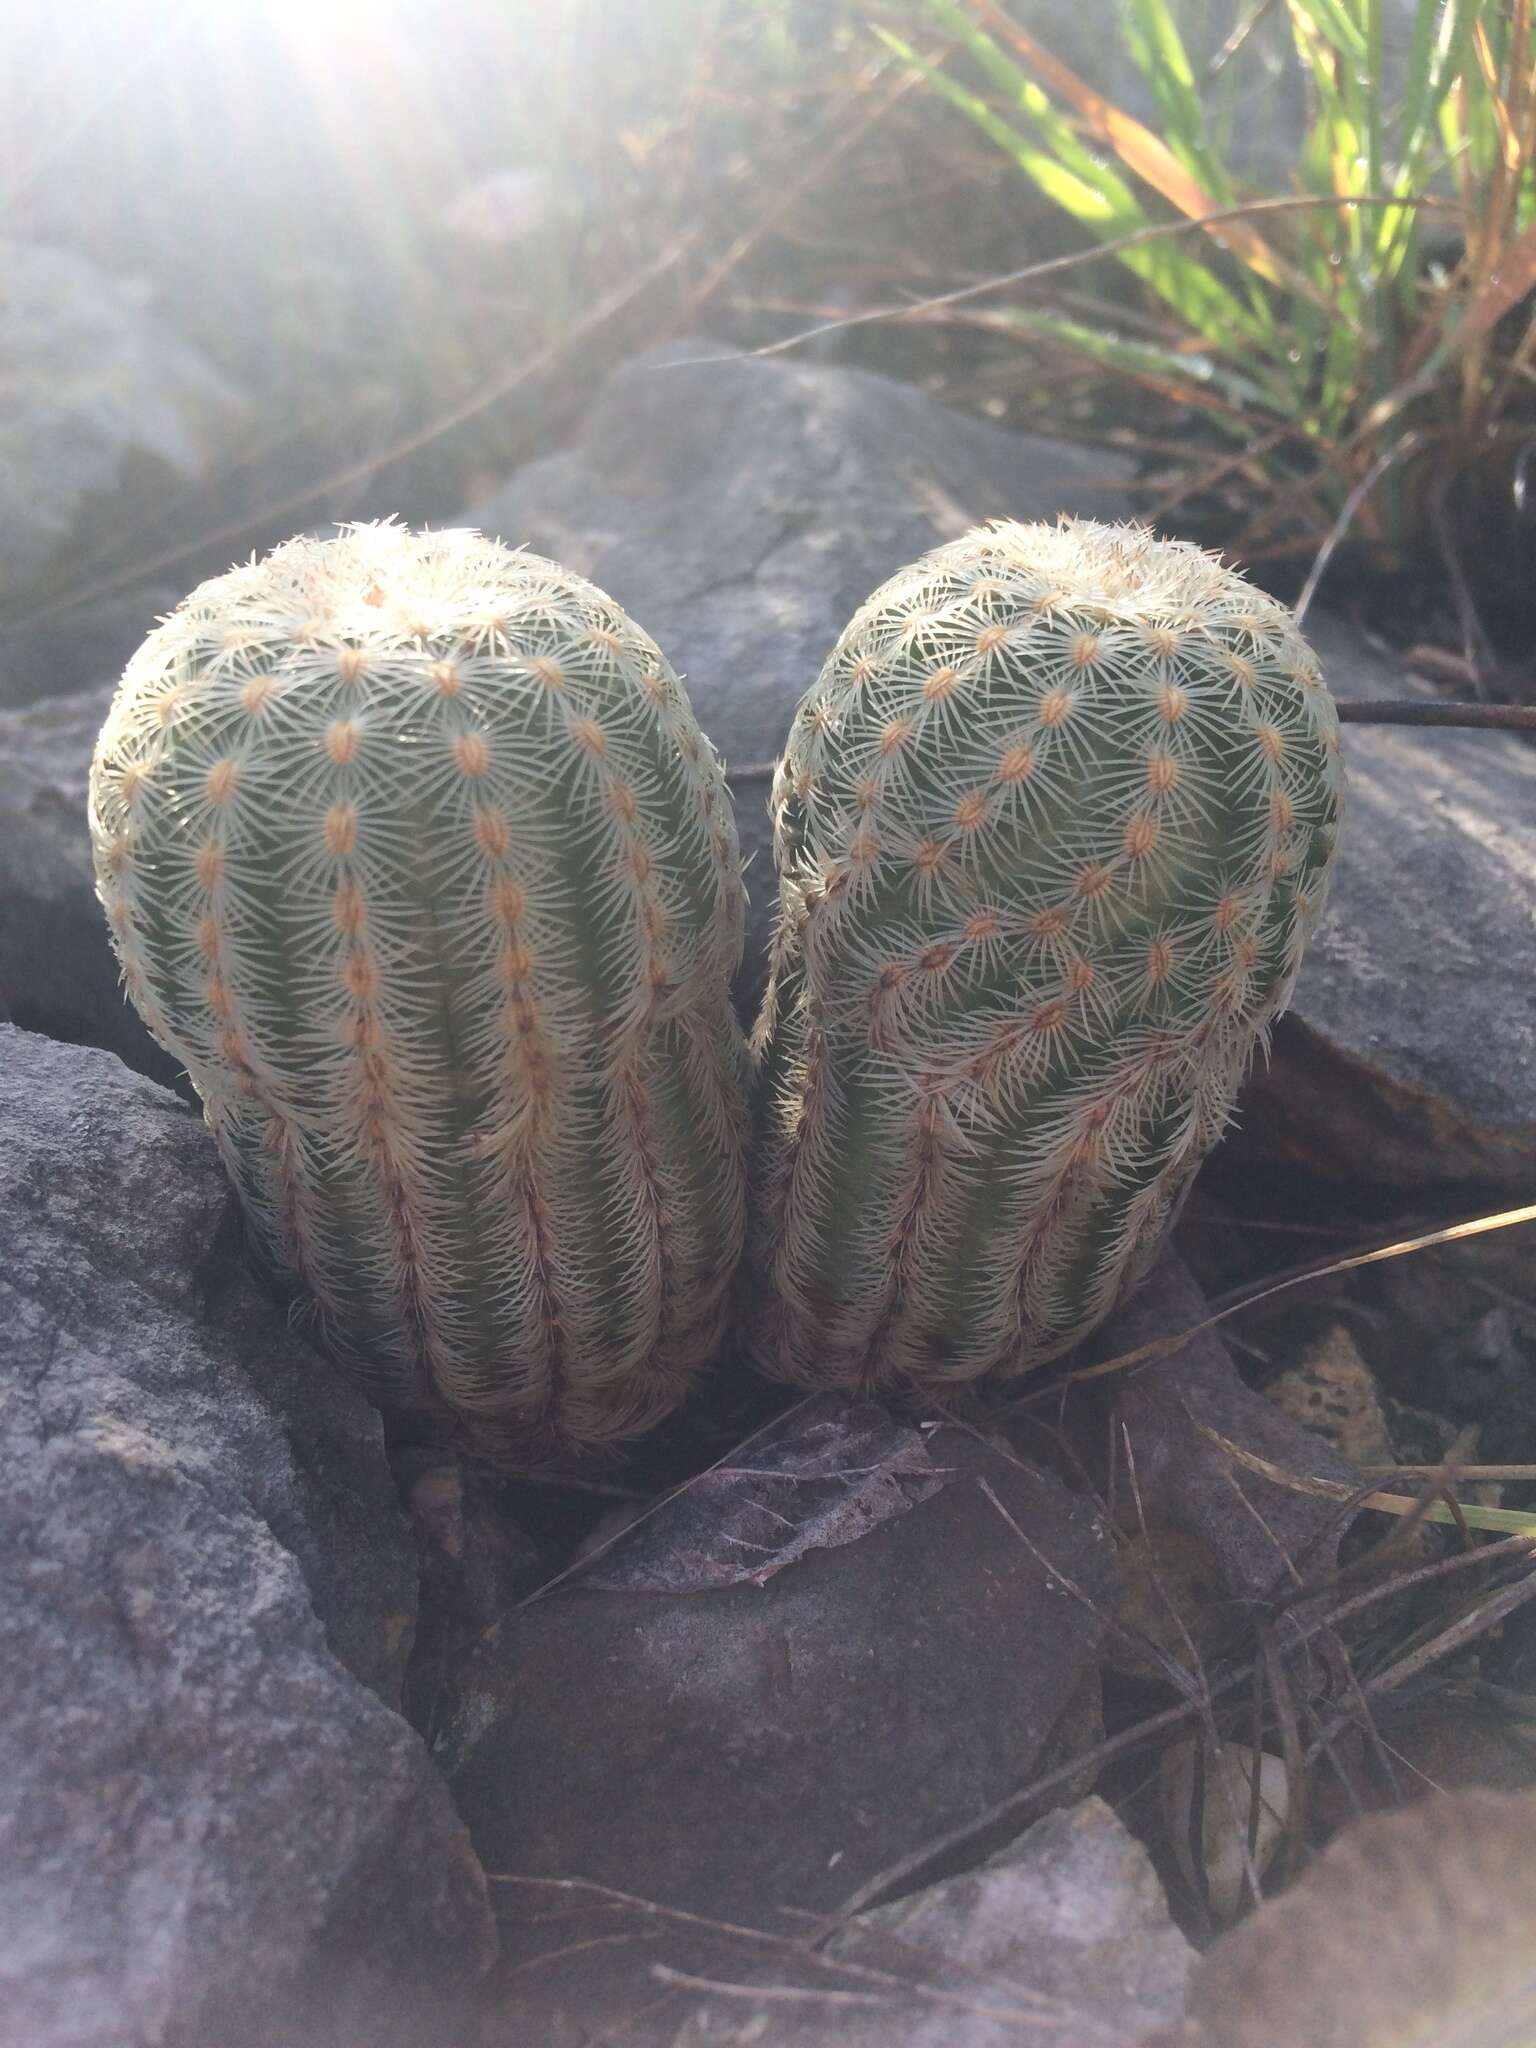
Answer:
x=1051 y=828
x=414 y=854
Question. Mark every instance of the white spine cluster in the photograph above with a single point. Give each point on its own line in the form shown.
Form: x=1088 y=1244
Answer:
x=1051 y=827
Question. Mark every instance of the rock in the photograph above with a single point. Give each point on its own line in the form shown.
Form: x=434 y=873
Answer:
x=1065 y=1931
x=1409 y=1055
x=57 y=970
x=1417 y=1926
x=753 y=1752
x=742 y=509
x=101 y=407
x=1331 y=1391
x=1170 y=1420
x=58 y=652
x=1455 y=1733
x=1218 y=1836
x=215 y=1827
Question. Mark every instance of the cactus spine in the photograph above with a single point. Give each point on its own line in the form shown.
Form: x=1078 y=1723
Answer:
x=414 y=854
x=1051 y=828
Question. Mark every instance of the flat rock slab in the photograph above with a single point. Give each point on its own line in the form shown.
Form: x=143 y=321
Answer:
x=754 y=1751
x=57 y=970
x=99 y=398
x=1409 y=1055
x=214 y=1828
x=100 y=403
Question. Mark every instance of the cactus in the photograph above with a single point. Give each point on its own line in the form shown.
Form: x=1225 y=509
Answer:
x=1051 y=828
x=414 y=855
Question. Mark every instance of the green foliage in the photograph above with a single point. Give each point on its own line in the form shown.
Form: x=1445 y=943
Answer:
x=1051 y=829
x=414 y=854
x=1365 y=323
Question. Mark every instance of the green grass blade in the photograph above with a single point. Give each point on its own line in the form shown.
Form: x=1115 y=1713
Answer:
x=1159 y=54
x=1084 y=186
x=1337 y=23
x=1193 y=375
x=1495 y=1521
x=1092 y=200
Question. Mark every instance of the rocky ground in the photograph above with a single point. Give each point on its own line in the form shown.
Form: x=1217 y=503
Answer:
x=309 y=1746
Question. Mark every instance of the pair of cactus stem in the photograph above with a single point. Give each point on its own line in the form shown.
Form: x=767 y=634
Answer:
x=415 y=855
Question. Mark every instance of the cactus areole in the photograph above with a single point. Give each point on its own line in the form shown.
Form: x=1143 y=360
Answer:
x=1051 y=829
x=415 y=856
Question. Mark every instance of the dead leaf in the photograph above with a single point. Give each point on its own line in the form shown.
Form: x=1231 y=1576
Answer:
x=827 y=1476
x=1512 y=277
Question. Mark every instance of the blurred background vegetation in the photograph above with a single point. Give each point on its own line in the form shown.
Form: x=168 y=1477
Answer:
x=411 y=236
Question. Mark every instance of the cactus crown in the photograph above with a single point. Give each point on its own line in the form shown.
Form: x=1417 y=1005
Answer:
x=1051 y=828
x=414 y=853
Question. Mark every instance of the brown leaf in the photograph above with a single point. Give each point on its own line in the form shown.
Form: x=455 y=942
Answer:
x=1511 y=278
x=824 y=1476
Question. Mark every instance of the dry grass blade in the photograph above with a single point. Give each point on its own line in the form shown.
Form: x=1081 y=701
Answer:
x=1161 y=1347
x=1394 y=453
x=1054 y=266
x=1476 y=1474
x=1025 y=2007
x=1146 y=154
x=1320 y=1619
x=1507 y=1521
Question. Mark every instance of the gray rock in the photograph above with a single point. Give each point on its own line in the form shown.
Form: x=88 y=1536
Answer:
x=742 y=509
x=1064 y=1934
x=99 y=405
x=1164 y=1425
x=57 y=971
x=54 y=653
x=215 y=1828
x=1409 y=1056
x=753 y=1752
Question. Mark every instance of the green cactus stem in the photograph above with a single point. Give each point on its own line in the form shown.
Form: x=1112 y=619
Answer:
x=1051 y=829
x=414 y=854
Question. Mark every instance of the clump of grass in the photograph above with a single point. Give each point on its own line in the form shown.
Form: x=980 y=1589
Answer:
x=1353 y=344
